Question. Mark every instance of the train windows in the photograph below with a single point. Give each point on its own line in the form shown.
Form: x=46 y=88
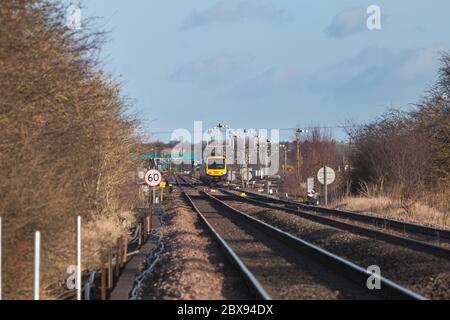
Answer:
x=216 y=164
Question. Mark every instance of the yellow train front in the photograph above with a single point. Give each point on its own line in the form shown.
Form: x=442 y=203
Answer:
x=215 y=170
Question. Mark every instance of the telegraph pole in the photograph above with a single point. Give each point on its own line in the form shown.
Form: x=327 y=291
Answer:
x=235 y=156
x=298 y=135
x=285 y=160
x=325 y=185
x=285 y=147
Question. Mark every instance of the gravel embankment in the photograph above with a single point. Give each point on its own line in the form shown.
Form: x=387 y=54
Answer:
x=422 y=273
x=192 y=266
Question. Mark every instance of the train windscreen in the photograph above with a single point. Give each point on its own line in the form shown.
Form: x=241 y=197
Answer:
x=216 y=164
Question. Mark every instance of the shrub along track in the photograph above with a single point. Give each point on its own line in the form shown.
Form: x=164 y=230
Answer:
x=423 y=273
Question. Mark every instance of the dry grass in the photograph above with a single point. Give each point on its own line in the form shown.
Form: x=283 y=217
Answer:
x=387 y=207
x=101 y=233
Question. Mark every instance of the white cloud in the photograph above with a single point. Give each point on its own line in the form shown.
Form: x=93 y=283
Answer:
x=218 y=71
x=274 y=80
x=232 y=10
x=379 y=74
x=419 y=63
x=347 y=22
x=238 y=76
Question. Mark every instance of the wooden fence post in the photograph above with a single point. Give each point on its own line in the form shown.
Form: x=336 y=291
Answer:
x=117 y=266
x=110 y=271
x=144 y=232
x=150 y=219
x=122 y=257
x=125 y=249
x=103 y=280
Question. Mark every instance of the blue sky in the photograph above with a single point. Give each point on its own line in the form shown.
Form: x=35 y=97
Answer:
x=267 y=63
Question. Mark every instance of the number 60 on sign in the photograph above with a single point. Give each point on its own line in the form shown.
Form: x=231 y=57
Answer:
x=153 y=178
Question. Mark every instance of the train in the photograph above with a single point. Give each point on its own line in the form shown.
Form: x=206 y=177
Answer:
x=214 y=170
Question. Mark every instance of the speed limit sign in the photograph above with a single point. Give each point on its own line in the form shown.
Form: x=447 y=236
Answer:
x=153 y=178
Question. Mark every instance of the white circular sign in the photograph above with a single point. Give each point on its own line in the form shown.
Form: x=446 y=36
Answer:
x=247 y=175
x=153 y=178
x=331 y=175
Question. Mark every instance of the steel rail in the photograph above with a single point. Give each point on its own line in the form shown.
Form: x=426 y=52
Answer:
x=348 y=269
x=439 y=233
x=185 y=182
x=251 y=280
x=356 y=229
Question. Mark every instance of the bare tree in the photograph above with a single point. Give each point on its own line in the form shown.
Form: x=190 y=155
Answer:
x=407 y=155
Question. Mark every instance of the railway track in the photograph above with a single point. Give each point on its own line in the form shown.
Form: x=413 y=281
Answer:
x=278 y=265
x=346 y=225
x=435 y=241
x=406 y=227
